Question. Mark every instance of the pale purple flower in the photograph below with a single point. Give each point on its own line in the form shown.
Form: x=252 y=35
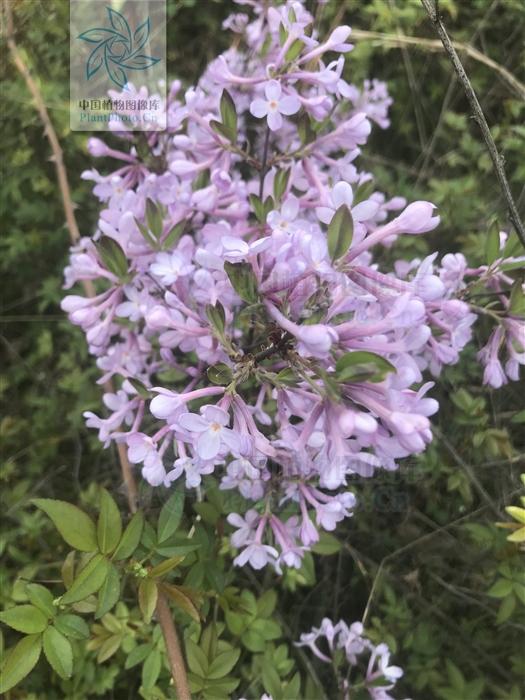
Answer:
x=211 y=431
x=274 y=105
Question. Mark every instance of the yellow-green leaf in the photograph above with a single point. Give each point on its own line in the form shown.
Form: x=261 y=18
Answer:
x=109 y=525
x=148 y=595
x=77 y=528
x=181 y=599
x=41 y=598
x=88 y=581
x=20 y=661
x=58 y=652
x=165 y=567
x=24 y=618
x=516 y=513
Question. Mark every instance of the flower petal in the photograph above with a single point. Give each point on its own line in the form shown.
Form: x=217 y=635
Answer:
x=259 y=108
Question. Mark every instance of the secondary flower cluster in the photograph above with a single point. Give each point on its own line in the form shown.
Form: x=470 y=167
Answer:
x=346 y=646
x=239 y=308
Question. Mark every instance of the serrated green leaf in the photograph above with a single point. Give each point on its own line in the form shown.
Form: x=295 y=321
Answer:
x=170 y=516
x=76 y=528
x=109 y=525
x=130 y=539
x=20 y=661
x=25 y=618
x=340 y=232
x=71 y=626
x=59 y=652
x=88 y=581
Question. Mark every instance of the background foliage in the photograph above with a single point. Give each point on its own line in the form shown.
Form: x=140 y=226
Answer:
x=437 y=578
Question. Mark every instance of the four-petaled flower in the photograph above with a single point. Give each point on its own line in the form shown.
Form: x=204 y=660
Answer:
x=274 y=105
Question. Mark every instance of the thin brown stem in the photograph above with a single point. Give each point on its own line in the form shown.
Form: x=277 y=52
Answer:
x=69 y=211
x=173 y=649
x=497 y=159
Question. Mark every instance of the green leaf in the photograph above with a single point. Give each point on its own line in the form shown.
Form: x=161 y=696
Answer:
x=141 y=389
x=148 y=595
x=258 y=208
x=154 y=218
x=146 y=234
x=88 y=581
x=492 y=251
x=20 y=661
x=229 y=114
x=221 y=129
x=340 y=232
x=72 y=626
x=253 y=640
x=220 y=374
x=506 y=609
x=328 y=544
x=359 y=364
x=165 y=567
x=110 y=647
x=501 y=588
x=294 y=50
x=280 y=183
x=76 y=528
x=216 y=317
x=109 y=526
x=235 y=622
x=173 y=235
x=170 y=516
x=268 y=629
x=197 y=660
x=137 y=655
x=271 y=680
x=266 y=603
x=59 y=652
x=113 y=257
x=41 y=598
x=24 y=618
x=109 y=592
x=517 y=299
x=243 y=280
x=130 y=539
x=223 y=663
x=151 y=668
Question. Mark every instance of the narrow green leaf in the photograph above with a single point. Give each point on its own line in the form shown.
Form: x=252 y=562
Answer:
x=173 y=235
x=170 y=516
x=283 y=34
x=154 y=218
x=59 y=652
x=130 y=539
x=340 y=232
x=280 y=183
x=20 y=661
x=148 y=595
x=151 y=669
x=243 y=280
x=361 y=364
x=165 y=567
x=137 y=655
x=24 y=618
x=72 y=626
x=146 y=234
x=216 y=317
x=88 y=581
x=258 y=208
x=109 y=526
x=41 y=598
x=110 y=647
x=294 y=50
x=229 y=114
x=109 y=592
x=76 y=528
x=141 y=389
x=197 y=660
x=517 y=299
x=222 y=130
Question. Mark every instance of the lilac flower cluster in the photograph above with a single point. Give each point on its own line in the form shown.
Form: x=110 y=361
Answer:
x=345 y=647
x=239 y=307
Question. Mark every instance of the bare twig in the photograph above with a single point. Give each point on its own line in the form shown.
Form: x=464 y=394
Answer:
x=178 y=669
x=400 y=40
x=479 y=117
x=69 y=211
